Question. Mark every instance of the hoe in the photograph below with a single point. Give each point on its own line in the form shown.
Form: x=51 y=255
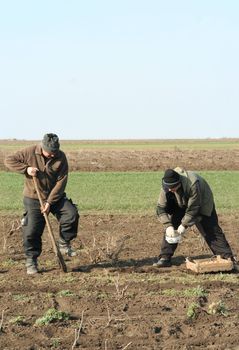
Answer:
x=56 y=250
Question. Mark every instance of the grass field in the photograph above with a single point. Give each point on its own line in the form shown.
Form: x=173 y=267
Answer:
x=120 y=192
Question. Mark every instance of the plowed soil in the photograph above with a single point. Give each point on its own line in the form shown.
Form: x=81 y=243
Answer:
x=113 y=296
x=152 y=160
x=126 y=159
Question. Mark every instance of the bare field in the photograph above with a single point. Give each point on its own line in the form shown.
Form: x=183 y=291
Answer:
x=114 y=295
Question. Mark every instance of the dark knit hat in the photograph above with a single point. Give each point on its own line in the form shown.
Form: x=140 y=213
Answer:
x=50 y=143
x=171 y=178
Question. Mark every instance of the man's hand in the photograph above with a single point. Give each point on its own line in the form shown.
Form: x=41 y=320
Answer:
x=172 y=236
x=181 y=229
x=170 y=231
x=32 y=171
x=46 y=208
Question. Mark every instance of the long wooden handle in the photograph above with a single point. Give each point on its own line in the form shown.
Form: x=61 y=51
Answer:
x=56 y=250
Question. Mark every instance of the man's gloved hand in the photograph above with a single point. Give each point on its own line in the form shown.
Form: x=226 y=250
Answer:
x=181 y=229
x=172 y=236
x=170 y=231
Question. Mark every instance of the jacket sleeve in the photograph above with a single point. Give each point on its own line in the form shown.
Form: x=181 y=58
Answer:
x=163 y=217
x=59 y=188
x=193 y=206
x=17 y=162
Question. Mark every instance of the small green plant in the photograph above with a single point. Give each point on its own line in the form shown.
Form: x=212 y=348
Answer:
x=50 y=295
x=52 y=315
x=217 y=308
x=170 y=292
x=190 y=292
x=9 y=263
x=49 y=263
x=19 y=320
x=20 y=297
x=55 y=343
x=68 y=279
x=193 y=310
x=101 y=295
x=65 y=293
x=195 y=292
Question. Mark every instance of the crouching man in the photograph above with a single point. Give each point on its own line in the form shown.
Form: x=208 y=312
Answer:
x=186 y=199
x=49 y=164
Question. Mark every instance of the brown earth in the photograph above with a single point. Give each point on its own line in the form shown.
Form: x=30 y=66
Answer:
x=153 y=160
x=147 y=160
x=113 y=291
x=115 y=298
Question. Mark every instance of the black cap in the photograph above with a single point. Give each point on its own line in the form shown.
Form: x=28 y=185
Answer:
x=171 y=178
x=50 y=143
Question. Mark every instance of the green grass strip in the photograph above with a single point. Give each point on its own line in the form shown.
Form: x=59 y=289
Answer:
x=120 y=192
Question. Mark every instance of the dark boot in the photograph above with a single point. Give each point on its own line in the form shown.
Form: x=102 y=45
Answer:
x=65 y=248
x=31 y=265
x=163 y=262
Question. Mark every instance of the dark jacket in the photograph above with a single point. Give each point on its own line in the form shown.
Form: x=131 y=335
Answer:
x=52 y=173
x=194 y=195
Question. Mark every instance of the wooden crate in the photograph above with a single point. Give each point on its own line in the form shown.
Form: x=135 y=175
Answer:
x=214 y=264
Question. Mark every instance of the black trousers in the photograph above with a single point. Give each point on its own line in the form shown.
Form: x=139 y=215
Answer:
x=208 y=227
x=34 y=223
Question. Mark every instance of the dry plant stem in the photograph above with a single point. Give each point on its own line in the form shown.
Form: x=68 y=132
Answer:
x=4 y=240
x=93 y=245
x=1 y=323
x=203 y=243
x=111 y=249
x=109 y=243
x=16 y=226
x=126 y=346
x=93 y=252
x=120 y=293
x=121 y=243
x=77 y=331
x=109 y=317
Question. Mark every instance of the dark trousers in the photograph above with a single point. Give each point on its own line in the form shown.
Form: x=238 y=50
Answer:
x=65 y=212
x=209 y=229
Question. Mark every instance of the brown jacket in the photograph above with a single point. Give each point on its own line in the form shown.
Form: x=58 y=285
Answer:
x=52 y=173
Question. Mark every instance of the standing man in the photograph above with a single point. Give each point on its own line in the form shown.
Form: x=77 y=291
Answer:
x=186 y=199
x=49 y=164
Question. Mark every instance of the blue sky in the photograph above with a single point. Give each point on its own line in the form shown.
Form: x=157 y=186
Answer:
x=107 y=69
